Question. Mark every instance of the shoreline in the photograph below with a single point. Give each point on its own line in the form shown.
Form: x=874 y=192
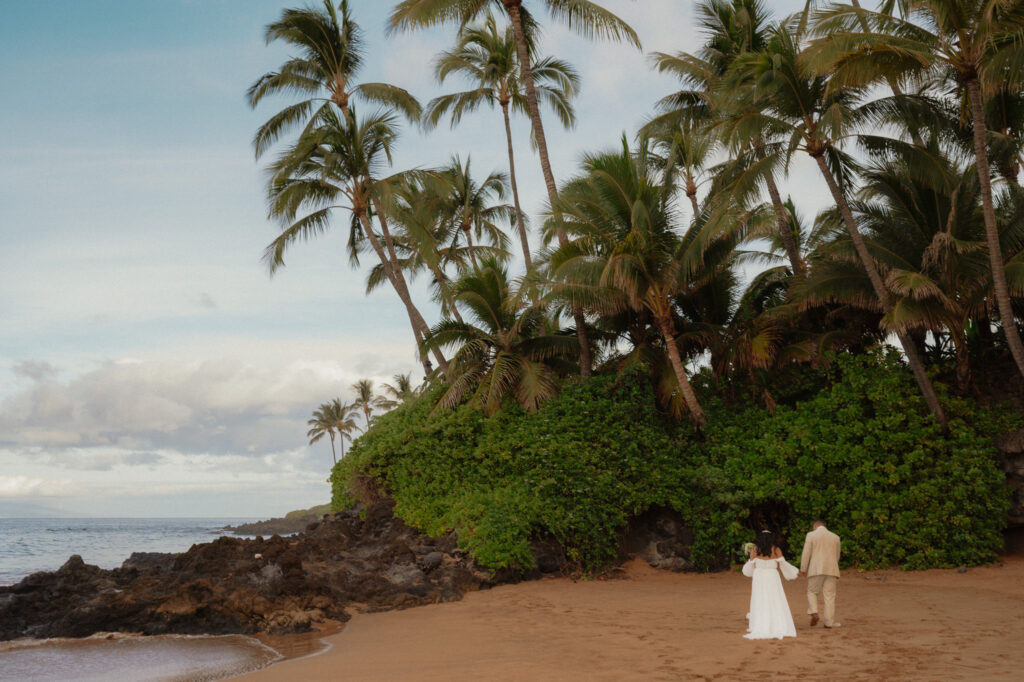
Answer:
x=651 y=624
x=113 y=656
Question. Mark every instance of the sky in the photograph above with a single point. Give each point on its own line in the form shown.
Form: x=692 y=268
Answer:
x=149 y=364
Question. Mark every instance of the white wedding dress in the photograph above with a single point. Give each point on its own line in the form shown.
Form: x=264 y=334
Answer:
x=769 y=616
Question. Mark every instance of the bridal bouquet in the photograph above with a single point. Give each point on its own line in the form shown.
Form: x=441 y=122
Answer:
x=745 y=549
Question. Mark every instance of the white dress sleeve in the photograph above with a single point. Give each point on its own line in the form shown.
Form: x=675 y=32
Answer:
x=789 y=571
x=748 y=568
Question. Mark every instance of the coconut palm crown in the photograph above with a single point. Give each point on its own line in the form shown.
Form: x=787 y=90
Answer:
x=339 y=165
x=330 y=46
x=585 y=17
x=777 y=92
x=506 y=350
x=625 y=251
x=976 y=45
x=488 y=58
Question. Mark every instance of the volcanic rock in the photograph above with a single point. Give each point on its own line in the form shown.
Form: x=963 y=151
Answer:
x=345 y=562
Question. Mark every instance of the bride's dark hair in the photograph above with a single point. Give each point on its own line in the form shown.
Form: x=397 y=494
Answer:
x=765 y=542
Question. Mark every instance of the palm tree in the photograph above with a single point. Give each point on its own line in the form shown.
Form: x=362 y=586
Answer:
x=434 y=216
x=687 y=148
x=977 y=44
x=471 y=207
x=330 y=45
x=922 y=222
x=625 y=253
x=339 y=161
x=731 y=28
x=344 y=422
x=507 y=352
x=332 y=418
x=323 y=422
x=366 y=400
x=776 y=90
x=488 y=58
x=421 y=230
x=401 y=391
x=587 y=17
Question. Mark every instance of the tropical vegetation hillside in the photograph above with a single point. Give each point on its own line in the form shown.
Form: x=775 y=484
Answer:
x=852 y=442
x=683 y=334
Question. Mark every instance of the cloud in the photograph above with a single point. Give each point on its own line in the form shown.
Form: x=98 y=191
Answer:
x=134 y=409
x=36 y=370
x=143 y=458
x=94 y=458
x=23 y=486
x=206 y=301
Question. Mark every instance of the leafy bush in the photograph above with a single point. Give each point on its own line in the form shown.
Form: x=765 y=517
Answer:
x=577 y=469
x=865 y=455
x=863 y=452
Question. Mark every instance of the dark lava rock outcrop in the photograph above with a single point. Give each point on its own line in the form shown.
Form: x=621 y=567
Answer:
x=345 y=562
x=660 y=537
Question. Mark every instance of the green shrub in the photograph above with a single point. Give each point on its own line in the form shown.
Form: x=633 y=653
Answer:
x=861 y=451
x=866 y=455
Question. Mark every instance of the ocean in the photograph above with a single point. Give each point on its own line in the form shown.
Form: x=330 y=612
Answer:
x=44 y=544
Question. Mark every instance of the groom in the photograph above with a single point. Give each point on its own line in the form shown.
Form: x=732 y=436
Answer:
x=820 y=563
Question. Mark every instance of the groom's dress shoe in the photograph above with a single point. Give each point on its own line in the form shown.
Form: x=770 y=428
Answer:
x=814 y=619
x=834 y=625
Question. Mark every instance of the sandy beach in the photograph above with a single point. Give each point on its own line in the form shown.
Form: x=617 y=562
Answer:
x=656 y=625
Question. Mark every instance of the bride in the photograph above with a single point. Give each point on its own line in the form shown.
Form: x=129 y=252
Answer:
x=769 y=616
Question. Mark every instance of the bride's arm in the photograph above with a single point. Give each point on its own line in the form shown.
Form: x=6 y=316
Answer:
x=788 y=570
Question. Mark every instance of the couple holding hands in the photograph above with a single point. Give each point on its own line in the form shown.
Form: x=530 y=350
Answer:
x=769 y=616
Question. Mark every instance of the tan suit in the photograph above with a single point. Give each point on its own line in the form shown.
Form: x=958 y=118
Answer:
x=820 y=561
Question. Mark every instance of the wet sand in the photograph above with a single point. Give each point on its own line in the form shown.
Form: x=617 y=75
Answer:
x=116 y=657
x=655 y=625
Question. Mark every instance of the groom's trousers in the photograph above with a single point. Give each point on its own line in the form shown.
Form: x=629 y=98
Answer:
x=825 y=585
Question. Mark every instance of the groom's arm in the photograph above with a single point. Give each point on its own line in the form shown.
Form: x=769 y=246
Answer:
x=805 y=556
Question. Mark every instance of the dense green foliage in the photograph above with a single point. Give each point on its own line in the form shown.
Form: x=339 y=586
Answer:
x=864 y=454
x=862 y=451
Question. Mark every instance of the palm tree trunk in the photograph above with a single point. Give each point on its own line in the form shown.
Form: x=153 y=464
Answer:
x=398 y=279
x=333 y=455
x=515 y=189
x=784 y=228
x=985 y=335
x=526 y=72
x=366 y=413
x=924 y=384
x=419 y=325
x=668 y=333
x=963 y=362
x=442 y=283
x=469 y=245
x=403 y=288
x=782 y=219
x=691 y=194
x=995 y=254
